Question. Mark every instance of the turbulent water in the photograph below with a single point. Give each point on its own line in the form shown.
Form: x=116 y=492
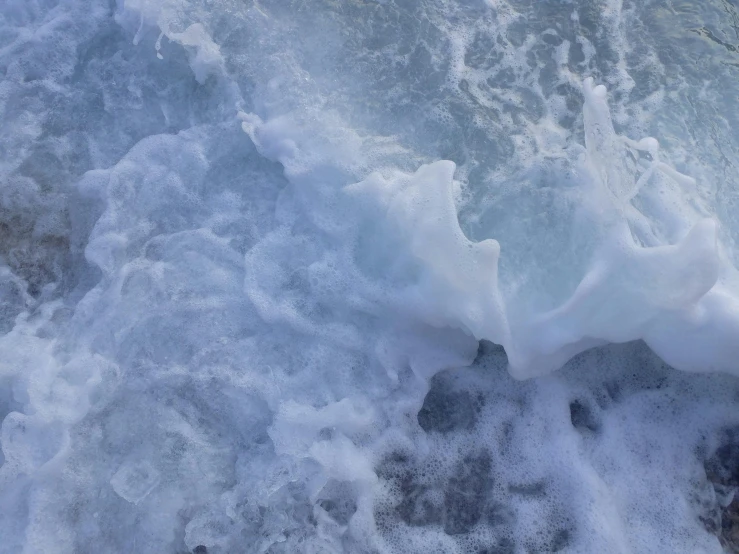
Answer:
x=369 y=276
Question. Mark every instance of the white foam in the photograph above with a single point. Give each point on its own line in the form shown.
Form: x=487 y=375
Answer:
x=245 y=304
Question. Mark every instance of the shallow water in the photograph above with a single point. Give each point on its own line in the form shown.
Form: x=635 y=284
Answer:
x=367 y=276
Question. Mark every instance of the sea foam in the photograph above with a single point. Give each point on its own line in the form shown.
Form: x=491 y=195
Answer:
x=278 y=277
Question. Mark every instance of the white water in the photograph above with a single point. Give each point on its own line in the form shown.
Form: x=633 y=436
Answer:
x=254 y=257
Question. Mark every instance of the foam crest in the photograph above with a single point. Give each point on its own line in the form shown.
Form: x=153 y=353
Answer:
x=627 y=292
x=458 y=280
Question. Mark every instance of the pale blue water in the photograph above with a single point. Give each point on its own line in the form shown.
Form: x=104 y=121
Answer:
x=367 y=276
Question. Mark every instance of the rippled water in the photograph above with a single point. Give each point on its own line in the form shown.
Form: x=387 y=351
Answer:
x=369 y=276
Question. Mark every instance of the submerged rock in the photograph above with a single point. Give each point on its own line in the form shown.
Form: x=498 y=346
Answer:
x=465 y=494
x=722 y=471
x=447 y=410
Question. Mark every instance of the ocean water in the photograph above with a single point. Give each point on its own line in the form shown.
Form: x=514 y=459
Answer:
x=369 y=276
